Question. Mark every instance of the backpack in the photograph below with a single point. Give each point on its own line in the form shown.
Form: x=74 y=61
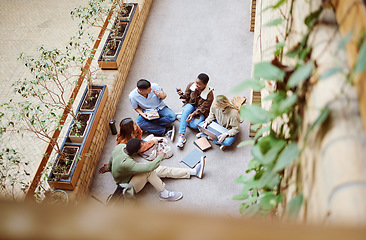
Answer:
x=122 y=192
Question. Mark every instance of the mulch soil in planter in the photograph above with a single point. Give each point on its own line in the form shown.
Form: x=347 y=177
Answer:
x=83 y=119
x=127 y=11
x=121 y=29
x=63 y=165
x=110 y=50
x=90 y=99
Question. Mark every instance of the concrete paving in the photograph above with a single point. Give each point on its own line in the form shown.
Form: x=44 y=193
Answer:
x=182 y=39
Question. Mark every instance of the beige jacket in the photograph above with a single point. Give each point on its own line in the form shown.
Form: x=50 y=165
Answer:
x=229 y=118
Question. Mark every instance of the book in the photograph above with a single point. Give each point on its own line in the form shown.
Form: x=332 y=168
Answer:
x=202 y=143
x=152 y=114
x=193 y=158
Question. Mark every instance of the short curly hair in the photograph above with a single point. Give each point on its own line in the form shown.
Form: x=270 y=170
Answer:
x=133 y=146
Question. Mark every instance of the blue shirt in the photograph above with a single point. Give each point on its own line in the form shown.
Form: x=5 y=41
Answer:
x=152 y=101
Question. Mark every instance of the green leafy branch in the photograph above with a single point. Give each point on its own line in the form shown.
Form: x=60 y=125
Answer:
x=275 y=146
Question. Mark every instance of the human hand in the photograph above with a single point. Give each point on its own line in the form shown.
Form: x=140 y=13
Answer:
x=179 y=91
x=144 y=115
x=156 y=141
x=103 y=169
x=189 y=118
x=160 y=94
x=161 y=153
x=222 y=137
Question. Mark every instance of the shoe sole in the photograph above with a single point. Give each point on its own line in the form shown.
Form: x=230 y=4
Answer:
x=203 y=162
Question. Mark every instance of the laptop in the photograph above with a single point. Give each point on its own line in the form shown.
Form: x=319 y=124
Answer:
x=213 y=130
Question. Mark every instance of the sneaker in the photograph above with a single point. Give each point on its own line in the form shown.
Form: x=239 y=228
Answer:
x=170 y=133
x=222 y=148
x=172 y=196
x=200 y=167
x=179 y=116
x=198 y=135
x=181 y=141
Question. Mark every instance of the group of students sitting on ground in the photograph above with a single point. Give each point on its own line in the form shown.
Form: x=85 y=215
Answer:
x=199 y=106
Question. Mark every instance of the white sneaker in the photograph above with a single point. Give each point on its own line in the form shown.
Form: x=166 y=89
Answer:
x=179 y=116
x=200 y=167
x=172 y=196
x=181 y=141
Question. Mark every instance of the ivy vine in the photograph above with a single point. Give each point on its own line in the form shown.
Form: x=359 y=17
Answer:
x=276 y=144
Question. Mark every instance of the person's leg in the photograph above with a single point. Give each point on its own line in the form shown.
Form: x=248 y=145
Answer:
x=150 y=126
x=187 y=109
x=167 y=116
x=171 y=172
x=139 y=180
x=227 y=142
x=195 y=121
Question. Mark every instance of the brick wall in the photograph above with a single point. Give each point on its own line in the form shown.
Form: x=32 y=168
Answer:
x=115 y=80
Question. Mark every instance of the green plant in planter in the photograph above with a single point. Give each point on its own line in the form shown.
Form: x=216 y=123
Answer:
x=95 y=13
x=53 y=75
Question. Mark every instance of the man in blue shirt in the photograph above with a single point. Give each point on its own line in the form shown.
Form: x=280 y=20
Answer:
x=151 y=96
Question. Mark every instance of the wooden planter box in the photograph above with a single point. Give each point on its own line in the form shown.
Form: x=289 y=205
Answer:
x=70 y=182
x=113 y=62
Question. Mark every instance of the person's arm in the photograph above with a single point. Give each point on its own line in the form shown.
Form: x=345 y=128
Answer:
x=139 y=111
x=161 y=94
x=211 y=117
x=137 y=131
x=146 y=145
x=187 y=92
x=106 y=167
x=147 y=167
x=234 y=124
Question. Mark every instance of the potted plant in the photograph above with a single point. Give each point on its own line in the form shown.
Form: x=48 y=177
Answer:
x=64 y=164
x=53 y=76
x=90 y=100
x=79 y=127
x=124 y=16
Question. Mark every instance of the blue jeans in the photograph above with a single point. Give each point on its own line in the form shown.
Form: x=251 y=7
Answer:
x=157 y=126
x=227 y=142
x=188 y=109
